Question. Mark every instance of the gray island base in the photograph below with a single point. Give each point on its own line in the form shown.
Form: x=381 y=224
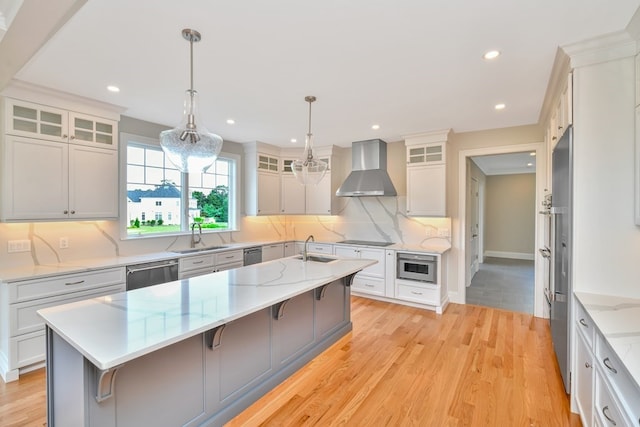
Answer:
x=194 y=352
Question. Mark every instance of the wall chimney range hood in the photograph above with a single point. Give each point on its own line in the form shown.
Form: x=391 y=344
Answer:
x=369 y=175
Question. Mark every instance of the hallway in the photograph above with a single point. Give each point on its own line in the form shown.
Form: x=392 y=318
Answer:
x=503 y=283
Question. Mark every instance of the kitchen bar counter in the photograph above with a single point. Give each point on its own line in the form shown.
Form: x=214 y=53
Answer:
x=213 y=343
x=618 y=320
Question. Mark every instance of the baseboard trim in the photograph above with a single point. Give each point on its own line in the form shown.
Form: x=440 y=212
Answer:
x=510 y=255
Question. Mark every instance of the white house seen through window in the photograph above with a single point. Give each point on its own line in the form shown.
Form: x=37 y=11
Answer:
x=156 y=189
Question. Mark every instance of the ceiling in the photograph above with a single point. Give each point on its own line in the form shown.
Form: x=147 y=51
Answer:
x=506 y=164
x=408 y=66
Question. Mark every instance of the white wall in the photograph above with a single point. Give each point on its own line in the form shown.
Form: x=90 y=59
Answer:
x=606 y=240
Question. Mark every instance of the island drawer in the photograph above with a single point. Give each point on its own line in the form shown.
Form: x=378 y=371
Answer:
x=618 y=376
x=229 y=257
x=196 y=262
x=24 y=316
x=369 y=285
x=322 y=248
x=64 y=284
x=424 y=294
x=585 y=325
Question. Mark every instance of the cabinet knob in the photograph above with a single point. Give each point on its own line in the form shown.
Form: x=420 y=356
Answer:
x=65 y=136
x=587 y=364
x=72 y=212
x=554 y=138
x=73 y=137
x=65 y=212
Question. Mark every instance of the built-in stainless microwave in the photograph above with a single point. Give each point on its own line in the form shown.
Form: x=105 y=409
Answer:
x=417 y=267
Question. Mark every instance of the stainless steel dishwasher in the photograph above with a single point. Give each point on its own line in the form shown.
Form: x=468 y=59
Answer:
x=253 y=255
x=151 y=273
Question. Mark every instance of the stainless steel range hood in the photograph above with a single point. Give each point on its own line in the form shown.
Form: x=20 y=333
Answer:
x=369 y=175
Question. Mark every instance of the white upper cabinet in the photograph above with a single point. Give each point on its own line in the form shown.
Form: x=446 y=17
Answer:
x=43 y=122
x=262 y=179
x=57 y=164
x=310 y=199
x=427 y=174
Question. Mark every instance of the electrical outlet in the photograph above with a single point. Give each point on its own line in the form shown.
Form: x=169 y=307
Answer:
x=18 y=246
x=64 y=242
x=443 y=232
x=429 y=231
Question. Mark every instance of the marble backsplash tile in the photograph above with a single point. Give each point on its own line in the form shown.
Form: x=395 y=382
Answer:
x=364 y=218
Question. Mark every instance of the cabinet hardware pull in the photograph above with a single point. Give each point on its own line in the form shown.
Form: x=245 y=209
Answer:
x=607 y=363
x=65 y=136
x=229 y=257
x=198 y=262
x=73 y=137
x=73 y=212
x=416 y=293
x=584 y=323
x=587 y=365
x=65 y=212
x=604 y=412
x=74 y=283
x=368 y=285
x=554 y=138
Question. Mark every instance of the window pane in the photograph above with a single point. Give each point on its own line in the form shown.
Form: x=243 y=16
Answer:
x=222 y=167
x=135 y=173
x=155 y=158
x=135 y=155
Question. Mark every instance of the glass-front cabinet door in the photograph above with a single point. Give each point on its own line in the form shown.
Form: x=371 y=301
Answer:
x=36 y=121
x=90 y=130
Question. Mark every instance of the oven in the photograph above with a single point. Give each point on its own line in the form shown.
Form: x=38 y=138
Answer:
x=416 y=267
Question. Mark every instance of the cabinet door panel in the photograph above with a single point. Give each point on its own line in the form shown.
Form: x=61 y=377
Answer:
x=426 y=191
x=584 y=381
x=331 y=310
x=36 y=179
x=293 y=332
x=293 y=196
x=268 y=194
x=93 y=182
x=318 y=197
x=36 y=121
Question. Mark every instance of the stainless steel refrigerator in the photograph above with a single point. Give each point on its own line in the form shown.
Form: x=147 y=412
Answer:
x=561 y=289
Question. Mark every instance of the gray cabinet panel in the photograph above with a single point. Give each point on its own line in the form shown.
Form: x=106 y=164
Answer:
x=293 y=332
x=245 y=352
x=331 y=307
x=150 y=389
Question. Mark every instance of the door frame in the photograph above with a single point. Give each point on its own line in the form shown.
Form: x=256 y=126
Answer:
x=541 y=185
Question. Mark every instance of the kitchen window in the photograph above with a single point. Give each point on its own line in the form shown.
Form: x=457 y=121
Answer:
x=156 y=189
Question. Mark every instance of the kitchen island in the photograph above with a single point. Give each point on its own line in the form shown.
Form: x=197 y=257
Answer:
x=196 y=351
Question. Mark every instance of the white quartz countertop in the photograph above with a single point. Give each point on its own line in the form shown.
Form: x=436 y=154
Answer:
x=114 y=329
x=30 y=272
x=618 y=319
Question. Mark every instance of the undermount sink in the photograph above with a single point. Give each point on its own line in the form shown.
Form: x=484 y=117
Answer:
x=318 y=258
x=192 y=250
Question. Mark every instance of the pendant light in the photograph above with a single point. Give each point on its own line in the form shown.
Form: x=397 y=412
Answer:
x=309 y=170
x=190 y=146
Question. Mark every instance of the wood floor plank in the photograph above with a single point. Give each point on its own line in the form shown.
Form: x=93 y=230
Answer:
x=400 y=366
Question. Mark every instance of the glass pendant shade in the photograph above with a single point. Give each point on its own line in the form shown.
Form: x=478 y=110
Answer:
x=191 y=148
x=309 y=170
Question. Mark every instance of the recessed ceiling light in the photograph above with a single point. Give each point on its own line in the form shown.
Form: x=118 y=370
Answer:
x=375 y=127
x=112 y=88
x=293 y=140
x=532 y=154
x=492 y=54
x=231 y=121
x=529 y=164
x=500 y=106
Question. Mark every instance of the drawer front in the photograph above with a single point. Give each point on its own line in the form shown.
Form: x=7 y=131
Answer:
x=24 y=316
x=621 y=382
x=607 y=410
x=195 y=273
x=321 y=248
x=229 y=257
x=27 y=349
x=229 y=266
x=196 y=262
x=585 y=325
x=424 y=294
x=68 y=283
x=369 y=285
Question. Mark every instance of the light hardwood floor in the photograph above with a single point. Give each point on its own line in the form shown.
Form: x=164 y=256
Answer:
x=400 y=366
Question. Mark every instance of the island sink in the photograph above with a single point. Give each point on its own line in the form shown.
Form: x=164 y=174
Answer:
x=318 y=258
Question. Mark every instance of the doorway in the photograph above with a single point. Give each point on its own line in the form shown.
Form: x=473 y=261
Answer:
x=498 y=264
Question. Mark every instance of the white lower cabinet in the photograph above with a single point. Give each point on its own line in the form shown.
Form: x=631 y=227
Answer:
x=272 y=251
x=605 y=393
x=370 y=280
x=22 y=336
